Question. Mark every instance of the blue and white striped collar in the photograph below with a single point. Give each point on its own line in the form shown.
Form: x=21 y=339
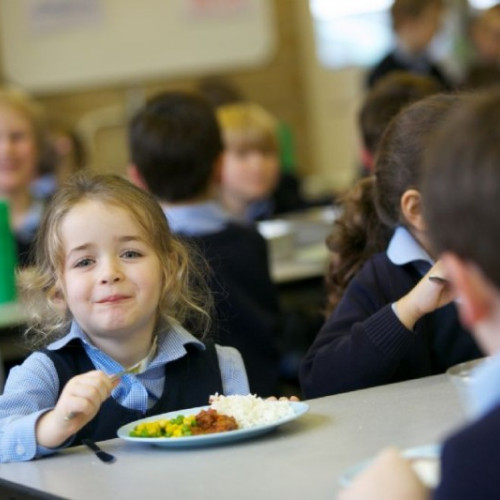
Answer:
x=172 y=342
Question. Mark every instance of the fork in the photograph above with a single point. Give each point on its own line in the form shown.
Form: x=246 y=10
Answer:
x=439 y=279
x=135 y=368
x=101 y=454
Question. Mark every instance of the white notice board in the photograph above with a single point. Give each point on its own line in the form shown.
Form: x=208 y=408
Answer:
x=56 y=45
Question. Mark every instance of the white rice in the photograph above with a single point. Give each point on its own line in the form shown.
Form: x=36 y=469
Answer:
x=251 y=411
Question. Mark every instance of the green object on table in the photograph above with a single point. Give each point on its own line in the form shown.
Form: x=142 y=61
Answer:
x=8 y=258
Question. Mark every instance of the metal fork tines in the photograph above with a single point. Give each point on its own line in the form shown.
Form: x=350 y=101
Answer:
x=101 y=454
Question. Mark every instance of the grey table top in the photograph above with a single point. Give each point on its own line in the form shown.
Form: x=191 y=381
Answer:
x=300 y=460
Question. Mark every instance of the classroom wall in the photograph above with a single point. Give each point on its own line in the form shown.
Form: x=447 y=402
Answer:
x=277 y=85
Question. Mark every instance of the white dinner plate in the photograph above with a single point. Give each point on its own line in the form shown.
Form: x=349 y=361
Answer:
x=424 y=461
x=299 y=409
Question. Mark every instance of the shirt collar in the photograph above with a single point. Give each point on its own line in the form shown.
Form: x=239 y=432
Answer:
x=172 y=342
x=484 y=391
x=404 y=248
x=196 y=219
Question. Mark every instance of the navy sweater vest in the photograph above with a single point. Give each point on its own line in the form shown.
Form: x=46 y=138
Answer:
x=189 y=381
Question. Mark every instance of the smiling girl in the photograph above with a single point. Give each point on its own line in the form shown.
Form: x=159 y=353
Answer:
x=111 y=287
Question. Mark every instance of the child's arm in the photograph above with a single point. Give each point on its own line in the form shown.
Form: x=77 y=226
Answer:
x=82 y=397
x=363 y=342
x=425 y=297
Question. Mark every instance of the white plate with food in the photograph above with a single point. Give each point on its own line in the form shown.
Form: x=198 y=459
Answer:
x=423 y=459
x=178 y=429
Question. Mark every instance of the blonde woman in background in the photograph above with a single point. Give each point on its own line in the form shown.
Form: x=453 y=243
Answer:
x=23 y=147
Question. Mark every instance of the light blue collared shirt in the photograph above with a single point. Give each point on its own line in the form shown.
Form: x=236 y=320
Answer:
x=196 y=219
x=33 y=387
x=484 y=392
x=404 y=248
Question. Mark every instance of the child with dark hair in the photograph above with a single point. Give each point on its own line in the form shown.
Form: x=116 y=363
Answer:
x=461 y=189
x=389 y=95
x=392 y=323
x=176 y=150
x=415 y=22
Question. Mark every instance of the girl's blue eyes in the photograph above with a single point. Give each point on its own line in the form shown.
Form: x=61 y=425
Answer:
x=84 y=263
x=128 y=254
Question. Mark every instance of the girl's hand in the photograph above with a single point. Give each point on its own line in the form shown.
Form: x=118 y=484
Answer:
x=424 y=298
x=81 y=397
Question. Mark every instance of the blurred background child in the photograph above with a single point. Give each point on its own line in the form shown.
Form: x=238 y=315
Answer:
x=176 y=153
x=68 y=156
x=252 y=184
x=390 y=94
x=484 y=60
x=415 y=23
x=23 y=148
x=250 y=165
x=392 y=323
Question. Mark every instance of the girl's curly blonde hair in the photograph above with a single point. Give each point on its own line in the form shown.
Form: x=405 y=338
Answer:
x=185 y=295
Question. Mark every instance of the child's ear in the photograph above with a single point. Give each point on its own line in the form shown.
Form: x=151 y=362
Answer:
x=136 y=178
x=411 y=208
x=475 y=297
x=57 y=299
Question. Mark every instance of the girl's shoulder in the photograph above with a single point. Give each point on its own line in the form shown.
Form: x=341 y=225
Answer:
x=36 y=369
x=380 y=273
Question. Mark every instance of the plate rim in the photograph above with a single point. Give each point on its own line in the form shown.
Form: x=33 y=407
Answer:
x=299 y=407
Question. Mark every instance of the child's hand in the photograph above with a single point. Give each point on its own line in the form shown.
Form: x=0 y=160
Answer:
x=283 y=398
x=390 y=477
x=81 y=397
x=424 y=298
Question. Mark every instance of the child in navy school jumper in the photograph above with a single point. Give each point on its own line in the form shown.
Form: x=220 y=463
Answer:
x=111 y=287
x=176 y=153
x=392 y=323
x=415 y=22
x=461 y=190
